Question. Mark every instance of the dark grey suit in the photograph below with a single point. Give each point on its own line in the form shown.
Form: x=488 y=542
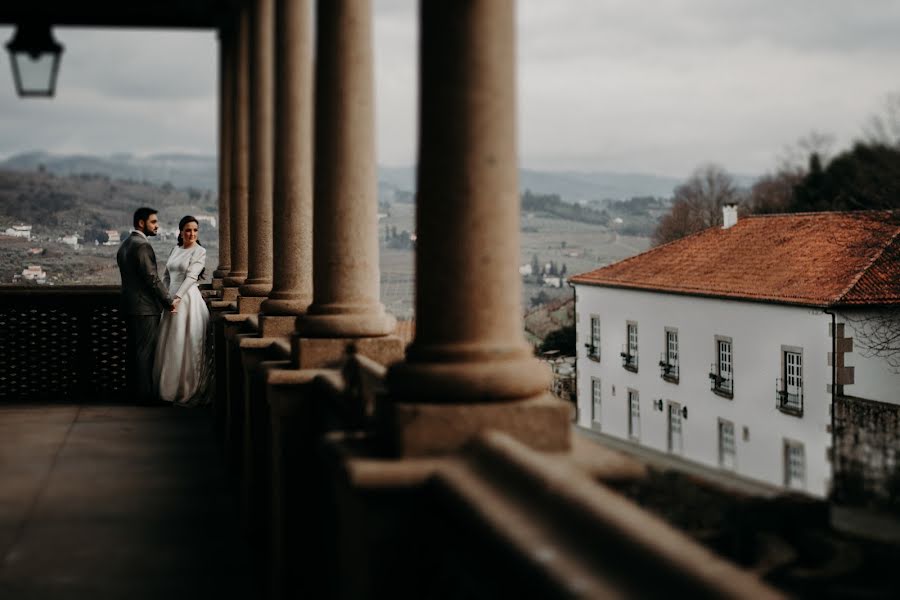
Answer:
x=144 y=297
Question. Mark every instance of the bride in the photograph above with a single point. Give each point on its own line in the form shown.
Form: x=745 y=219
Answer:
x=180 y=368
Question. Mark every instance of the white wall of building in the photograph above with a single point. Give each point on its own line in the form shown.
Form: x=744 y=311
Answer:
x=874 y=378
x=757 y=330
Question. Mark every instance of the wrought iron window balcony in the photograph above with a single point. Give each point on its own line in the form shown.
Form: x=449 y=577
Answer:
x=668 y=368
x=593 y=351
x=629 y=360
x=788 y=402
x=723 y=386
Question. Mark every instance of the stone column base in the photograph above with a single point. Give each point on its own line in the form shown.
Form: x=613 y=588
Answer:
x=221 y=307
x=415 y=430
x=234 y=329
x=218 y=283
x=236 y=323
x=317 y=353
x=229 y=294
x=248 y=305
x=277 y=325
x=296 y=427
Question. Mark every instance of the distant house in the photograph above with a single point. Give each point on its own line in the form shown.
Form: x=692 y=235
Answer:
x=553 y=281
x=737 y=346
x=525 y=270
x=21 y=231
x=34 y=273
x=206 y=219
x=563 y=368
x=71 y=240
x=114 y=237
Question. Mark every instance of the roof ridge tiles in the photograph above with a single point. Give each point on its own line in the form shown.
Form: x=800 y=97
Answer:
x=798 y=258
x=865 y=270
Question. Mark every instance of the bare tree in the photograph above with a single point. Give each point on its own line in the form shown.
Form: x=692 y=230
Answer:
x=774 y=193
x=877 y=335
x=697 y=203
x=884 y=128
x=794 y=158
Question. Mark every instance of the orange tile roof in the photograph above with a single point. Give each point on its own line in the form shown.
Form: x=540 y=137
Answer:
x=810 y=259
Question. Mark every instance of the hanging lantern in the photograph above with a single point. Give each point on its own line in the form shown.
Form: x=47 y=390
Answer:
x=35 y=57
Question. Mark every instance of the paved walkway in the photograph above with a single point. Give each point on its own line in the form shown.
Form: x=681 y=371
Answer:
x=115 y=502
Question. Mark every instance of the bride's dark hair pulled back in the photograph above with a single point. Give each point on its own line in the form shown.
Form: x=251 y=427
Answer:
x=181 y=224
x=184 y=221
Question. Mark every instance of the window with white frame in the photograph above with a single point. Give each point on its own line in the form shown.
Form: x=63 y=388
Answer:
x=794 y=465
x=727 y=445
x=790 y=386
x=594 y=344
x=630 y=350
x=634 y=415
x=669 y=360
x=722 y=371
x=595 y=402
x=675 y=438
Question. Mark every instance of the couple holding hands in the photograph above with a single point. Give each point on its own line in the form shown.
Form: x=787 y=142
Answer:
x=167 y=320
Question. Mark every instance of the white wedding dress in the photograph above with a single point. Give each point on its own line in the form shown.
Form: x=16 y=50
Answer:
x=181 y=368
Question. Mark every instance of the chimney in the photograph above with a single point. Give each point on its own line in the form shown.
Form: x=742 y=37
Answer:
x=729 y=215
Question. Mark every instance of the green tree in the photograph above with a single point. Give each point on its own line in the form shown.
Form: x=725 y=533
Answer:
x=561 y=339
x=865 y=177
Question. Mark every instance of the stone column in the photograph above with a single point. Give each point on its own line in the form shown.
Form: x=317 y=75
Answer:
x=239 y=156
x=346 y=279
x=469 y=349
x=259 y=232
x=226 y=74
x=293 y=202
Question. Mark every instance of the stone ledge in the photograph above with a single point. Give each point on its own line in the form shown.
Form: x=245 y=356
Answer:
x=249 y=304
x=222 y=305
x=277 y=325
x=542 y=423
x=316 y=353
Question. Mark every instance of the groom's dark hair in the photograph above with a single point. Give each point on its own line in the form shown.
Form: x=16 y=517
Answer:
x=142 y=214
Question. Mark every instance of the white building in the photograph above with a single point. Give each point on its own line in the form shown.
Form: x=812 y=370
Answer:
x=718 y=347
x=553 y=281
x=22 y=231
x=211 y=220
x=71 y=240
x=34 y=273
x=114 y=237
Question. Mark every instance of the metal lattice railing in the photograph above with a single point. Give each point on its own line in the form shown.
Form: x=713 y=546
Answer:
x=61 y=344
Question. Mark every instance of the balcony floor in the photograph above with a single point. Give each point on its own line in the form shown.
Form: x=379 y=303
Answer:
x=115 y=502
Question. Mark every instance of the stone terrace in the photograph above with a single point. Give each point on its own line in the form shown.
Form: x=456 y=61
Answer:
x=115 y=502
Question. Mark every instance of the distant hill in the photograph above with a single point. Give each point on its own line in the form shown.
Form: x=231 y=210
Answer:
x=200 y=172
x=89 y=202
x=570 y=186
x=180 y=170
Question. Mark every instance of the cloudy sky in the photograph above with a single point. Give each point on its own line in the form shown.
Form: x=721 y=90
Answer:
x=605 y=85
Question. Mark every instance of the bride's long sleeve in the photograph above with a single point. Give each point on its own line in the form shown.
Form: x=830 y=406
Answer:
x=198 y=261
x=167 y=277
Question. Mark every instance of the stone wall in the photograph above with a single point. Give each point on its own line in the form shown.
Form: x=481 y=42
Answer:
x=866 y=452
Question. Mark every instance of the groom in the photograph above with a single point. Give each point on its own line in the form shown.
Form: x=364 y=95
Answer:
x=144 y=297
